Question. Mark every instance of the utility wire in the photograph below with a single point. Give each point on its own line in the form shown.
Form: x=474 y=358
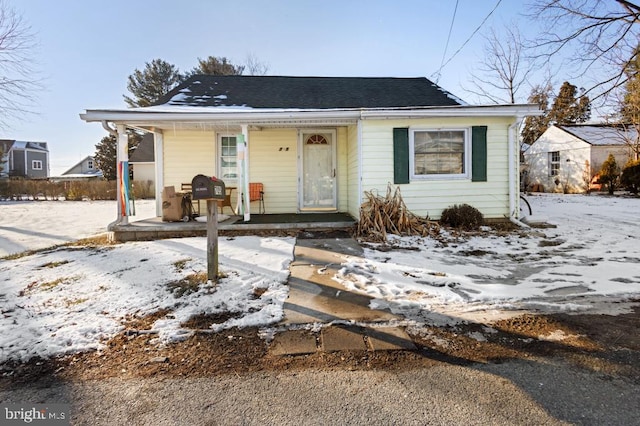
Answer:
x=467 y=40
x=444 y=54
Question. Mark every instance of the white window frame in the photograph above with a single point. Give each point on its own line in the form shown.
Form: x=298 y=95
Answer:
x=466 y=160
x=90 y=164
x=227 y=181
x=554 y=165
x=36 y=164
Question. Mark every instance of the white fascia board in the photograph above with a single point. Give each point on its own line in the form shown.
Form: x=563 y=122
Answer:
x=511 y=110
x=244 y=116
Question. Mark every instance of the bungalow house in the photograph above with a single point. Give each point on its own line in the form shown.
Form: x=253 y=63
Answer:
x=566 y=158
x=317 y=144
x=24 y=159
x=83 y=170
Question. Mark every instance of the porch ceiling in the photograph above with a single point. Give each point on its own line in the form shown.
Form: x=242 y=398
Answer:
x=217 y=126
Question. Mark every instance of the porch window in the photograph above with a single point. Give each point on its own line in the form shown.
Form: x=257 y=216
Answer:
x=228 y=150
x=554 y=163
x=36 y=165
x=439 y=153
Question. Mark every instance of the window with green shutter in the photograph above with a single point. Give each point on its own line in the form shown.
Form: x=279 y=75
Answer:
x=424 y=153
x=401 y=155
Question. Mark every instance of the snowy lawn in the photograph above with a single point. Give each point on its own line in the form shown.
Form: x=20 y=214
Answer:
x=70 y=299
x=594 y=251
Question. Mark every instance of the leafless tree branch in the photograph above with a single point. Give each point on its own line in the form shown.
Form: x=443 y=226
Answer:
x=590 y=34
x=18 y=78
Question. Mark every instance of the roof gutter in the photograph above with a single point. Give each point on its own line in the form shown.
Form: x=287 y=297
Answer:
x=258 y=116
x=109 y=129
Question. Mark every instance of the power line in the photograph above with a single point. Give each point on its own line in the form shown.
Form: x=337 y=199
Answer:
x=467 y=40
x=446 y=46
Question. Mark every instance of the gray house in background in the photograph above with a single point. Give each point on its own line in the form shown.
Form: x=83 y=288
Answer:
x=24 y=159
x=84 y=169
x=142 y=160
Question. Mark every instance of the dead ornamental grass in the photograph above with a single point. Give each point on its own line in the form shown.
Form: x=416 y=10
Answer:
x=380 y=216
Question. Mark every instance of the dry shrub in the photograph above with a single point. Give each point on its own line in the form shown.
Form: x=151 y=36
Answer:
x=380 y=216
x=462 y=216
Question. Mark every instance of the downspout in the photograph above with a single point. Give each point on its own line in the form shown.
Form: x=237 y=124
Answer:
x=359 y=151
x=514 y=189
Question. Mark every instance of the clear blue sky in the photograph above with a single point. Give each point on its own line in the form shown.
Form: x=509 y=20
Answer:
x=87 y=49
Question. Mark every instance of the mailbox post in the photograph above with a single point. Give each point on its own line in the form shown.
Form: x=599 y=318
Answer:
x=212 y=190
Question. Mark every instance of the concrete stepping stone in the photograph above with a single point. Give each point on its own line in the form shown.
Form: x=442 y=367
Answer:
x=293 y=342
x=389 y=339
x=342 y=338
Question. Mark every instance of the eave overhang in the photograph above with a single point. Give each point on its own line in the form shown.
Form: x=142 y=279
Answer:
x=164 y=116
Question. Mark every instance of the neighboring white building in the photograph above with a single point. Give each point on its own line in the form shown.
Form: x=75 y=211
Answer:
x=566 y=158
x=84 y=169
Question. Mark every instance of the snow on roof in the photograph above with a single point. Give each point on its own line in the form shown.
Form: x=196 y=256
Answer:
x=599 y=134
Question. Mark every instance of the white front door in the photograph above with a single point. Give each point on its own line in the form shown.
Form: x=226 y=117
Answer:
x=318 y=170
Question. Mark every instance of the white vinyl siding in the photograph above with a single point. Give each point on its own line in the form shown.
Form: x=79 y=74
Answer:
x=187 y=154
x=351 y=163
x=430 y=197
x=342 y=171
x=273 y=156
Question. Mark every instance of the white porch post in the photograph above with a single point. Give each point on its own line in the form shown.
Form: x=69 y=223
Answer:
x=245 y=181
x=122 y=155
x=158 y=138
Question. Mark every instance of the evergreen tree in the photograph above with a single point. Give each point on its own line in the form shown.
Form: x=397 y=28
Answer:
x=150 y=84
x=610 y=173
x=568 y=109
x=215 y=66
x=106 y=153
x=630 y=178
x=629 y=108
x=535 y=126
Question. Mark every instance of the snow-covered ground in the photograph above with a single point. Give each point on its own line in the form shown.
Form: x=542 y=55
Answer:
x=594 y=251
x=69 y=299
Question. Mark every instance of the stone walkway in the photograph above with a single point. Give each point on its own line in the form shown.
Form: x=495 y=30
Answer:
x=322 y=313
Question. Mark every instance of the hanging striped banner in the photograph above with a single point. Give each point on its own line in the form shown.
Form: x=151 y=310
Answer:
x=123 y=172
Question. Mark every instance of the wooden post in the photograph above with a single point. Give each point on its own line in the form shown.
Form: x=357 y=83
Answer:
x=212 y=240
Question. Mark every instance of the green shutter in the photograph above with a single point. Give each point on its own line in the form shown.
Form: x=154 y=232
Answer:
x=479 y=154
x=400 y=155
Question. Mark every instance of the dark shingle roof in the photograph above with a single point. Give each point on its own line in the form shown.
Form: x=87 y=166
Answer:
x=601 y=134
x=144 y=152
x=308 y=92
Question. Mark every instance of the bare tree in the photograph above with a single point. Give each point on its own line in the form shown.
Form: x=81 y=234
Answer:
x=504 y=70
x=254 y=66
x=595 y=37
x=18 y=78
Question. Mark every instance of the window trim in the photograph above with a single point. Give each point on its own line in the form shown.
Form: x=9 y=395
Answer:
x=227 y=181
x=553 y=163
x=33 y=165
x=466 y=160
